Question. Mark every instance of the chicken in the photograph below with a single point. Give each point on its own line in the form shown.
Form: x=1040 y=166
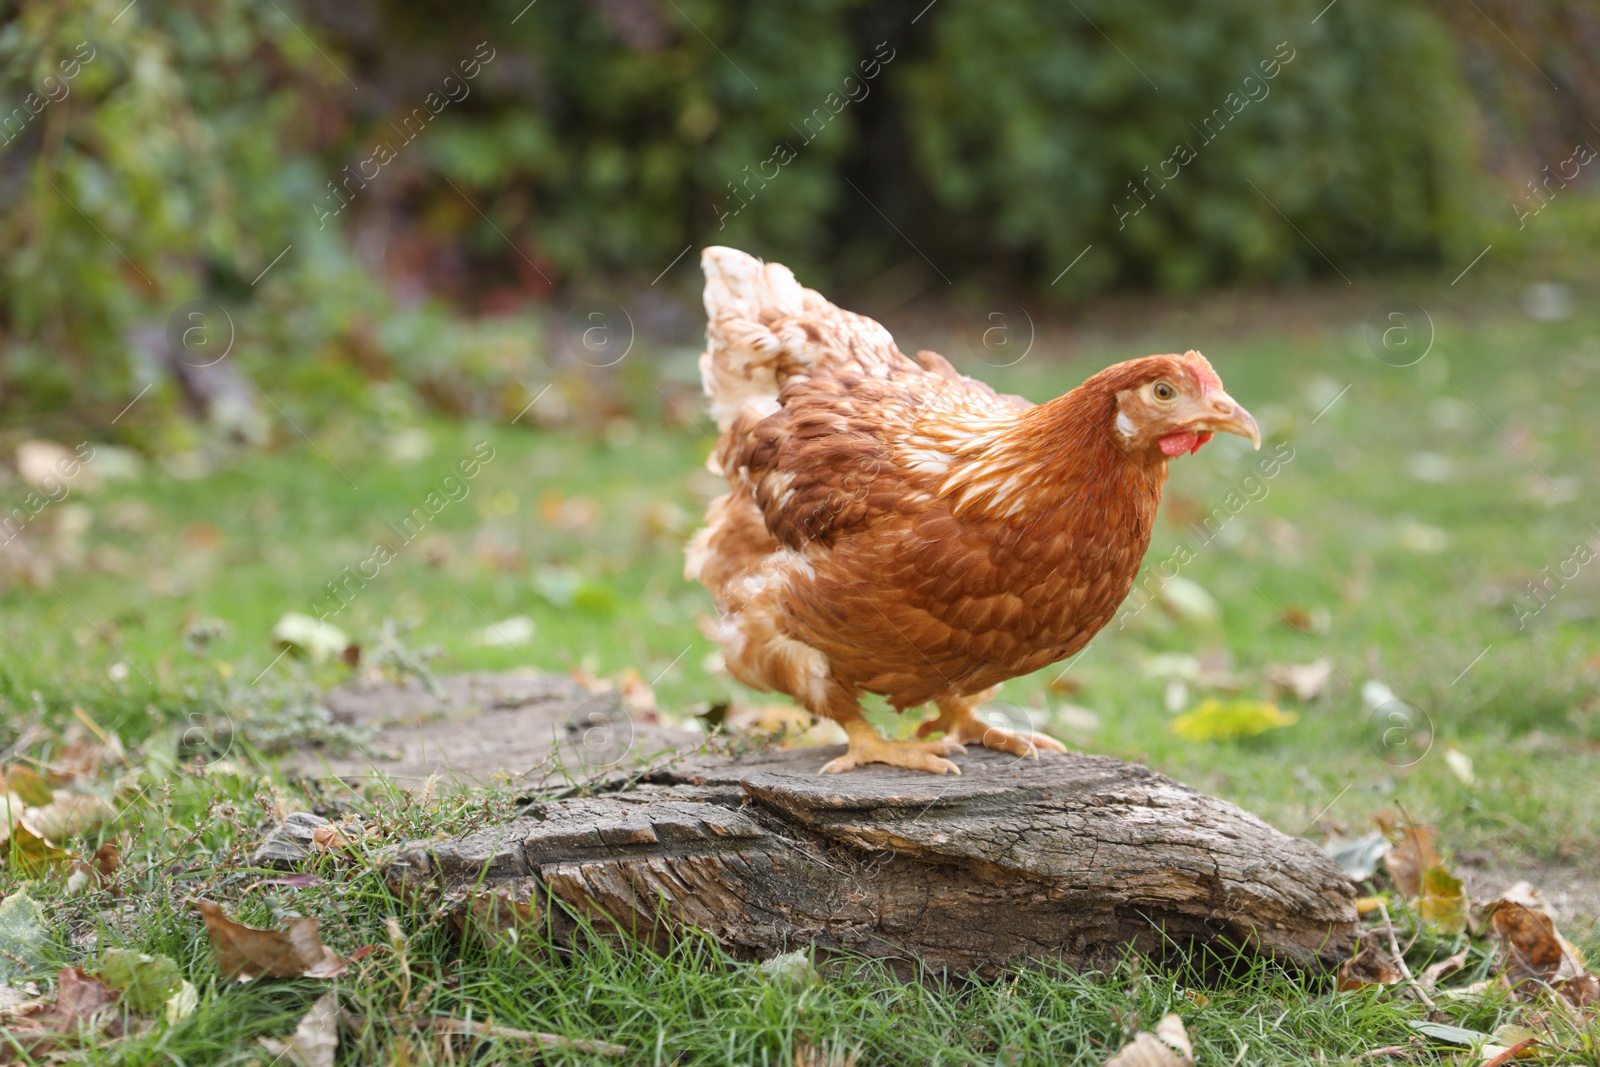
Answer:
x=895 y=527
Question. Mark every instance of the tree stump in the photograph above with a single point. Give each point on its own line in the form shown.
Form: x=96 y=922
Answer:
x=520 y=726
x=1069 y=857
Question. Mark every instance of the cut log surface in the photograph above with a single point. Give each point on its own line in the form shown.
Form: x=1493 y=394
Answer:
x=1070 y=857
x=521 y=726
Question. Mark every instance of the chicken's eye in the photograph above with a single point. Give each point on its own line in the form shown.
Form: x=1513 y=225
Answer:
x=1163 y=391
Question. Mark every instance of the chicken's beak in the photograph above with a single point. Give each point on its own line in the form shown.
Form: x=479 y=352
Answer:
x=1227 y=415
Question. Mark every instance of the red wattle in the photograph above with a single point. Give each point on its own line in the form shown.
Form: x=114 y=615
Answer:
x=1176 y=444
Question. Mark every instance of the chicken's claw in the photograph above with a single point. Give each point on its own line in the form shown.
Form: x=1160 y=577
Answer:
x=963 y=725
x=1024 y=743
x=913 y=755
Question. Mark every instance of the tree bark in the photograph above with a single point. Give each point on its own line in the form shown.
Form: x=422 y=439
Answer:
x=1068 y=857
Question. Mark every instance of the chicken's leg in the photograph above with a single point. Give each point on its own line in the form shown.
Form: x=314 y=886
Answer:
x=958 y=719
x=869 y=746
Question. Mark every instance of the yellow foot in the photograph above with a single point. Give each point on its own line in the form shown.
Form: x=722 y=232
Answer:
x=968 y=727
x=868 y=747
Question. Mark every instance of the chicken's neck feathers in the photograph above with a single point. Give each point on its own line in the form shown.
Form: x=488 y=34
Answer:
x=1066 y=454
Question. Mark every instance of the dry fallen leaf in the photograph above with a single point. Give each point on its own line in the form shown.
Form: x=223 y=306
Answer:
x=1581 y=991
x=1526 y=894
x=1307 y=621
x=1533 y=950
x=1170 y=1030
x=48 y=466
x=1496 y=1055
x=88 y=750
x=1168 y=1047
x=320 y=641
x=84 y=875
x=315 y=1041
x=1303 y=681
x=1370 y=966
x=1536 y=956
x=1412 y=855
x=1370 y=905
x=67 y=815
x=1447 y=966
x=1068 y=684
x=327 y=837
x=107 y=860
x=32 y=855
x=1443 y=900
x=244 y=952
x=83 y=1005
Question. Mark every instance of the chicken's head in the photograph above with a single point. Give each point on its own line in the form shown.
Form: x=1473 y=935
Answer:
x=1173 y=404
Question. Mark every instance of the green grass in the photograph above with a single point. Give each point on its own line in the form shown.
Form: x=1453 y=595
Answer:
x=1412 y=514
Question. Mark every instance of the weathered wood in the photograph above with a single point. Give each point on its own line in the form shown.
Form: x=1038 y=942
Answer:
x=1072 y=857
x=522 y=726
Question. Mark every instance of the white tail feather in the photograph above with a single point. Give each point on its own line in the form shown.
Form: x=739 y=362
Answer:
x=762 y=325
x=742 y=286
x=737 y=366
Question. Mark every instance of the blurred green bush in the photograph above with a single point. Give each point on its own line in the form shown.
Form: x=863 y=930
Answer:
x=996 y=140
x=160 y=171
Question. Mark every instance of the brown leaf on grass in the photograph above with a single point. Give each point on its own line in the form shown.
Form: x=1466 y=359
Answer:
x=1581 y=991
x=1168 y=1047
x=107 y=860
x=327 y=837
x=315 y=1041
x=1442 y=968
x=1306 y=620
x=88 y=750
x=1535 y=955
x=79 y=998
x=1412 y=855
x=67 y=815
x=1370 y=966
x=97 y=872
x=1303 y=681
x=1065 y=684
x=244 y=952
x=83 y=1006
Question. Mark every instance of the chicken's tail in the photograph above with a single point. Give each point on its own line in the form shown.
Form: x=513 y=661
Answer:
x=739 y=364
x=762 y=326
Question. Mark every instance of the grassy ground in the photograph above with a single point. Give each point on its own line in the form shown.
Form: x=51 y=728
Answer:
x=1408 y=511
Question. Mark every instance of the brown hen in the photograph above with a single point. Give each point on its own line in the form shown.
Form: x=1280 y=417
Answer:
x=895 y=527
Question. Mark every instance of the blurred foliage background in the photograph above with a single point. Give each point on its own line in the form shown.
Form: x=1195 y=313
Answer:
x=340 y=184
